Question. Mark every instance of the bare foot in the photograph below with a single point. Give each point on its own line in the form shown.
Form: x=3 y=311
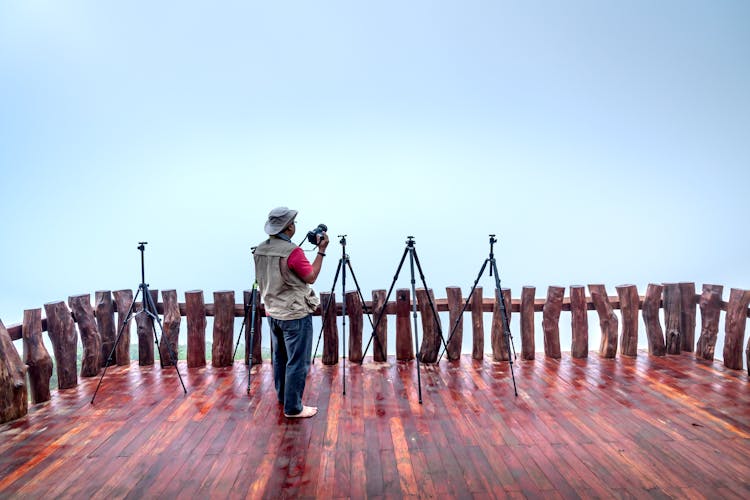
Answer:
x=307 y=411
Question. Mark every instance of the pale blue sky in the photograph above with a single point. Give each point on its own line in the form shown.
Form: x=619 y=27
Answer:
x=602 y=141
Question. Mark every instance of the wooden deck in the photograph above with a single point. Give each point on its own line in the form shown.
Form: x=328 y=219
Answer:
x=644 y=427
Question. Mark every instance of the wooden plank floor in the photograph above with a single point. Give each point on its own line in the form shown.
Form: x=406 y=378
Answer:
x=645 y=427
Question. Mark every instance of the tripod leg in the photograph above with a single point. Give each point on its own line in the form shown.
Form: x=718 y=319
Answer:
x=150 y=307
x=128 y=317
x=324 y=312
x=382 y=313
x=466 y=304
x=429 y=299
x=416 y=332
x=242 y=327
x=506 y=324
x=343 y=322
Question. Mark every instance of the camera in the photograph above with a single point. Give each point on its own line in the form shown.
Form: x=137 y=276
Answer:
x=312 y=236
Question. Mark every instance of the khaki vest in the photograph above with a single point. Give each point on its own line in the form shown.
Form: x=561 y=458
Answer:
x=284 y=295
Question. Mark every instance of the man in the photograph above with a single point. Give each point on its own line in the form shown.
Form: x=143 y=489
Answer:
x=284 y=277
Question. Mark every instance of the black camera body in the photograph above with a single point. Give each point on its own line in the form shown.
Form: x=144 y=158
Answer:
x=312 y=236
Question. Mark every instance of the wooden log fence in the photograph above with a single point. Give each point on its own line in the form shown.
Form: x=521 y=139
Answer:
x=629 y=302
x=497 y=337
x=551 y=321
x=432 y=331
x=654 y=332
x=711 y=307
x=607 y=321
x=144 y=326
x=123 y=301
x=526 y=308
x=171 y=325
x=36 y=356
x=404 y=345
x=579 y=322
x=477 y=325
x=195 y=312
x=64 y=337
x=355 y=317
x=96 y=326
x=221 y=354
x=672 y=303
x=104 y=309
x=455 y=334
x=380 y=341
x=14 y=401
x=83 y=314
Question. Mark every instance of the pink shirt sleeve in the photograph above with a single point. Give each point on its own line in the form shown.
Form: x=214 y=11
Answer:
x=298 y=263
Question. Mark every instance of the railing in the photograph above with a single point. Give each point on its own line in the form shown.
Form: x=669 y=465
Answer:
x=96 y=325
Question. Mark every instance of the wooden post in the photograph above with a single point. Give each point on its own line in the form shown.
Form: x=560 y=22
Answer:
x=710 y=305
x=654 y=333
x=672 y=301
x=83 y=313
x=195 y=313
x=257 y=358
x=629 y=305
x=330 y=329
x=455 y=306
x=221 y=351
x=497 y=332
x=404 y=339
x=356 y=319
x=579 y=322
x=477 y=325
x=380 y=342
x=105 y=322
x=528 y=346
x=430 y=347
x=687 y=316
x=171 y=324
x=123 y=300
x=144 y=327
x=36 y=356
x=62 y=333
x=734 y=327
x=14 y=400
x=551 y=321
x=608 y=322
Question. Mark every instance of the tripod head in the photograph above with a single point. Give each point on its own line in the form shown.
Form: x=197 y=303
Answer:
x=342 y=240
x=410 y=241
x=142 y=245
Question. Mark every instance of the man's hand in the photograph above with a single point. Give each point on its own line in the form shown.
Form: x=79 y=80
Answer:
x=323 y=242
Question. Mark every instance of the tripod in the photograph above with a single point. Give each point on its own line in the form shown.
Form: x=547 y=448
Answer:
x=341 y=269
x=503 y=310
x=252 y=307
x=413 y=258
x=149 y=308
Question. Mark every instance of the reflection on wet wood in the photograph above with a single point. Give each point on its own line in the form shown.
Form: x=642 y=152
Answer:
x=583 y=428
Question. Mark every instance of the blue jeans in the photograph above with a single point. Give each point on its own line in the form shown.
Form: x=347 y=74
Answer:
x=291 y=341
